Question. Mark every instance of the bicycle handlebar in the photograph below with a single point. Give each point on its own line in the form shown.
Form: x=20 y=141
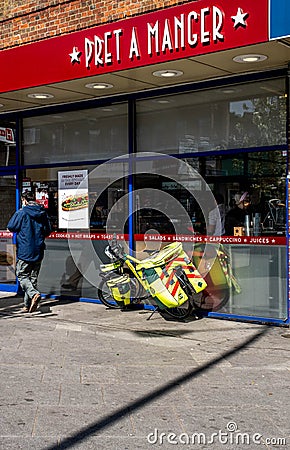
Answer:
x=114 y=250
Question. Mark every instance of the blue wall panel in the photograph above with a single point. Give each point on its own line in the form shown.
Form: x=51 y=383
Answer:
x=279 y=18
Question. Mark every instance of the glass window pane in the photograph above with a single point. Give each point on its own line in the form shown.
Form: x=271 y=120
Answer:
x=7 y=143
x=238 y=270
x=262 y=269
x=261 y=174
x=239 y=116
x=99 y=133
x=7 y=199
x=7 y=249
x=257 y=263
x=72 y=268
x=104 y=192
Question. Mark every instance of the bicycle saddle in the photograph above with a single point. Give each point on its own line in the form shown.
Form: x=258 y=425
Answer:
x=165 y=255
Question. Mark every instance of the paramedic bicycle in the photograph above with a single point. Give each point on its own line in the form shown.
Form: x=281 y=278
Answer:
x=168 y=280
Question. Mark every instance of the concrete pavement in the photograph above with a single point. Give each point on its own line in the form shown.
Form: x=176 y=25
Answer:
x=78 y=376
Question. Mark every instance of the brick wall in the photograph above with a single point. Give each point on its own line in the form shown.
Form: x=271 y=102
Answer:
x=22 y=22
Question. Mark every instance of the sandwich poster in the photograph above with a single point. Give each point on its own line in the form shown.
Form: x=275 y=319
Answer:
x=7 y=260
x=73 y=199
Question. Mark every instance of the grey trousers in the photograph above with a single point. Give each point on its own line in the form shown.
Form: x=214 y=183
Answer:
x=27 y=274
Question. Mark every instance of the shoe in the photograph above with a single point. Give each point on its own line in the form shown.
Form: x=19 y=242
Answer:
x=68 y=287
x=24 y=310
x=34 y=302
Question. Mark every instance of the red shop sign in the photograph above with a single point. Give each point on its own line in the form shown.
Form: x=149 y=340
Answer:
x=194 y=28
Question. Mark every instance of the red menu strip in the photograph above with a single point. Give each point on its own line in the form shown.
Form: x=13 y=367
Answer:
x=165 y=238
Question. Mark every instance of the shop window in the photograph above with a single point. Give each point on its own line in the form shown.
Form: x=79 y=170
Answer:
x=171 y=208
x=7 y=199
x=239 y=116
x=77 y=207
x=256 y=261
x=84 y=135
x=261 y=174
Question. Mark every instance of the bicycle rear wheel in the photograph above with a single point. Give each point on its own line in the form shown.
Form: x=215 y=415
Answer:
x=105 y=296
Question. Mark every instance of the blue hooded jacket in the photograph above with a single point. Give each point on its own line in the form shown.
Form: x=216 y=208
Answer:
x=32 y=225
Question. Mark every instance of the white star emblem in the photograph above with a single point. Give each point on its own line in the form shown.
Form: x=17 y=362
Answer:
x=75 y=55
x=239 y=18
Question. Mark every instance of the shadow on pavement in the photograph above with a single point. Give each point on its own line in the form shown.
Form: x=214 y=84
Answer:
x=181 y=332
x=110 y=419
x=10 y=307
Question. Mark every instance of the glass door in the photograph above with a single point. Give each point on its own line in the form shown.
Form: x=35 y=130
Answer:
x=7 y=248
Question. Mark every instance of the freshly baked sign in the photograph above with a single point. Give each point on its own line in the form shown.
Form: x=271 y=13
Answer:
x=73 y=204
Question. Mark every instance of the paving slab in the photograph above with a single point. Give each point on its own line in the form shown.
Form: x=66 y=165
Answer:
x=76 y=375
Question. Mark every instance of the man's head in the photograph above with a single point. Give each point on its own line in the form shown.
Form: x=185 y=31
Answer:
x=27 y=196
x=242 y=200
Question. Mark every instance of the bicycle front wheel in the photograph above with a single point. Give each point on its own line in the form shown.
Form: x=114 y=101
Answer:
x=179 y=313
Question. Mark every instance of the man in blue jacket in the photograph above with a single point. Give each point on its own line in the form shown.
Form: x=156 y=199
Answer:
x=32 y=225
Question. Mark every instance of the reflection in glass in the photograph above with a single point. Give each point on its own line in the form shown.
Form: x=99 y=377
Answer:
x=261 y=174
x=97 y=133
x=103 y=193
x=252 y=115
